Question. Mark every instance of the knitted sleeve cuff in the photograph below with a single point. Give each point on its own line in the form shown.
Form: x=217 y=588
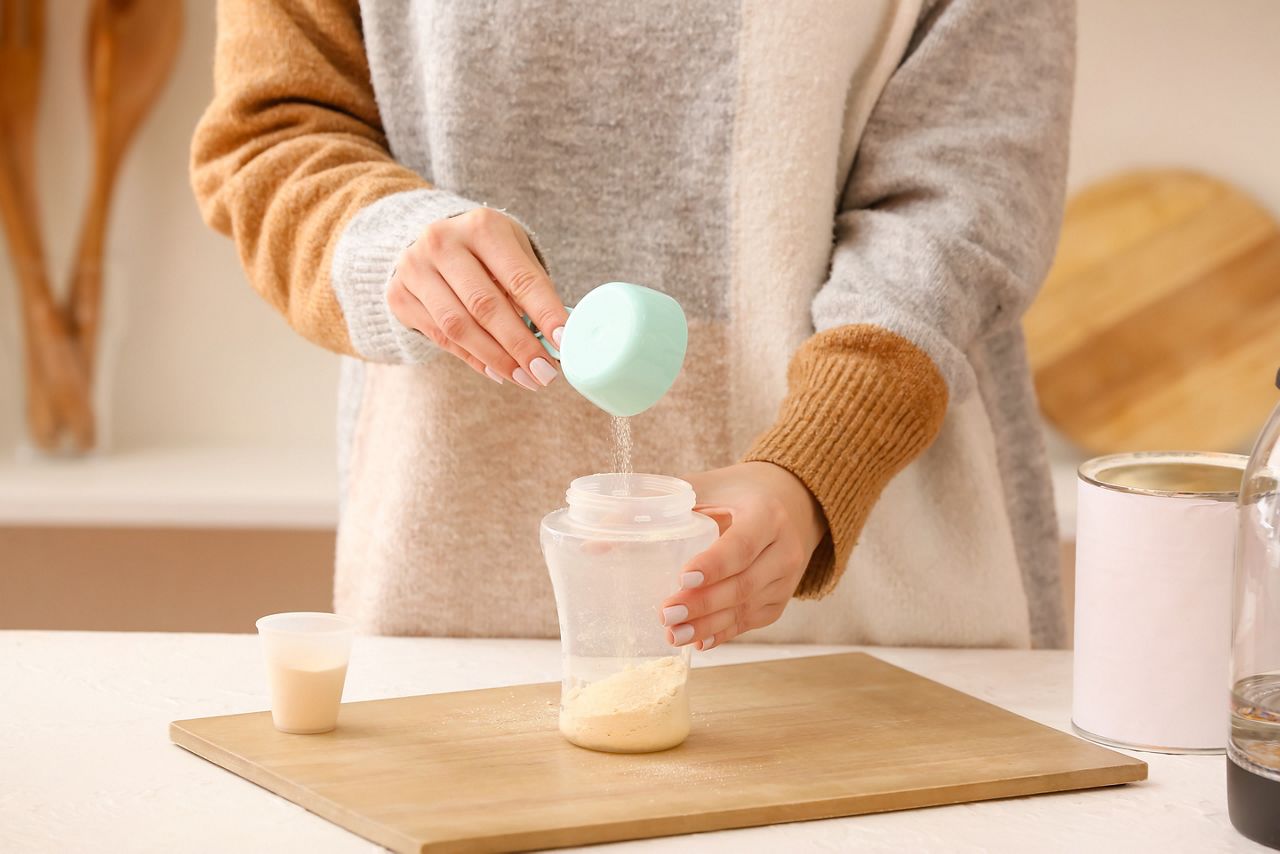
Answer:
x=365 y=258
x=861 y=404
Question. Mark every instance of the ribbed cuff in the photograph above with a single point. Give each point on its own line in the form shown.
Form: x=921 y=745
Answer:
x=365 y=258
x=861 y=404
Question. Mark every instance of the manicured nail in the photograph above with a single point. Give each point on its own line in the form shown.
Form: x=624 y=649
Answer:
x=707 y=643
x=556 y=335
x=493 y=375
x=674 y=614
x=543 y=371
x=690 y=580
x=524 y=379
x=681 y=635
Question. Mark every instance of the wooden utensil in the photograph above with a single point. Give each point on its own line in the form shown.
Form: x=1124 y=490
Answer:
x=131 y=49
x=772 y=742
x=1159 y=325
x=57 y=390
x=21 y=33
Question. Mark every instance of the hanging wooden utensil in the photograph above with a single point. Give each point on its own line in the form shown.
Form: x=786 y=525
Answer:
x=131 y=49
x=57 y=389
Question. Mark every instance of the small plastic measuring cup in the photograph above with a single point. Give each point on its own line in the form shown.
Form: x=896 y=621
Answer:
x=306 y=653
x=623 y=346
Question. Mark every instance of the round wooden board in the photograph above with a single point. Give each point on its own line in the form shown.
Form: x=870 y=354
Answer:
x=1158 y=327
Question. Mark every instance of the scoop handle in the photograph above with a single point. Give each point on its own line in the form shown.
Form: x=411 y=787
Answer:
x=537 y=333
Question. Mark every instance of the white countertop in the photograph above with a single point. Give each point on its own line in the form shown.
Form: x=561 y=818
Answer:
x=85 y=760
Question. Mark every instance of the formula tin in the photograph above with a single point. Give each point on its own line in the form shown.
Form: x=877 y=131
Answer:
x=1154 y=545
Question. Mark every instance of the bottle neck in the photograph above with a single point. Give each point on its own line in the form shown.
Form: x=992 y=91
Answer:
x=629 y=501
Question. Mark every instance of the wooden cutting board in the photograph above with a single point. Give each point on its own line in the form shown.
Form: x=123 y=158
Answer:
x=1158 y=327
x=772 y=742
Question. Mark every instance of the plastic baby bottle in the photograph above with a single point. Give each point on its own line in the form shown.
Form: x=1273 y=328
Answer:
x=614 y=554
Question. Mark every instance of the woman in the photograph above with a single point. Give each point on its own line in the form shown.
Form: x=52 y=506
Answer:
x=854 y=203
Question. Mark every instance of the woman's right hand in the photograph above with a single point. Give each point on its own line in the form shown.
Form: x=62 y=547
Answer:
x=465 y=284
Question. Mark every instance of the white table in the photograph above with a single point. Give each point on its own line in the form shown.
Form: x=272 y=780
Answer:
x=86 y=764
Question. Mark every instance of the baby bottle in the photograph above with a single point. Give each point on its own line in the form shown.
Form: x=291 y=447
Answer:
x=614 y=554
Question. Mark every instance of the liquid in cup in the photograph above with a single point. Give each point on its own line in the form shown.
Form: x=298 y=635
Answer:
x=614 y=554
x=306 y=655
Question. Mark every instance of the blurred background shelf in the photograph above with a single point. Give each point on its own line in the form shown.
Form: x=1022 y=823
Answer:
x=179 y=538
x=193 y=486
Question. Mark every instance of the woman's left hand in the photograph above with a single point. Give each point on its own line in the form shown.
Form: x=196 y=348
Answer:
x=769 y=526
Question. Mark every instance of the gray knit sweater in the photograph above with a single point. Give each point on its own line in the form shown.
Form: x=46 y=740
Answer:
x=781 y=167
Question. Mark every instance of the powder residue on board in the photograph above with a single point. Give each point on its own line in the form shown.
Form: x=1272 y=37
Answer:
x=504 y=712
x=636 y=710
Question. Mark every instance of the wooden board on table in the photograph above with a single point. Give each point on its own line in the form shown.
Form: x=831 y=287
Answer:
x=1158 y=327
x=772 y=741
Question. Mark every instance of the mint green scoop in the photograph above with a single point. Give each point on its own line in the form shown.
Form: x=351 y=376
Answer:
x=623 y=347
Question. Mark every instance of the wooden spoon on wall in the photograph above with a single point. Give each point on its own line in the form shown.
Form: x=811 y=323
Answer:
x=57 y=389
x=132 y=45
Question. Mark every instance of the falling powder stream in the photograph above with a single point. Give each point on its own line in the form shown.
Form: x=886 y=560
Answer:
x=622 y=447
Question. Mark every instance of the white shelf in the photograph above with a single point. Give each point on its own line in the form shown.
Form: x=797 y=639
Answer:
x=177 y=487
x=238 y=487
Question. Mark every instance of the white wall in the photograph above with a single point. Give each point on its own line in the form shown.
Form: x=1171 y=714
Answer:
x=1192 y=83
x=202 y=360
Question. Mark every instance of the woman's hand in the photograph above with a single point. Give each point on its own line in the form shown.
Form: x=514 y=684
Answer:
x=465 y=283
x=769 y=526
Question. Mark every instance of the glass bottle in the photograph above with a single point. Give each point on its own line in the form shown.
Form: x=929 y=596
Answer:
x=1253 y=750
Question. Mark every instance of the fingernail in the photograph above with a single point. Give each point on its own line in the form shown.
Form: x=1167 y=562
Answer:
x=681 y=635
x=520 y=376
x=556 y=335
x=707 y=643
x=690 y=580
x=543 y=371
x=493 y=375
x=674 y=614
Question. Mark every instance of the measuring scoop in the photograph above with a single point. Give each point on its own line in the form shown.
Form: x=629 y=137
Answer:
x=623 y=346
